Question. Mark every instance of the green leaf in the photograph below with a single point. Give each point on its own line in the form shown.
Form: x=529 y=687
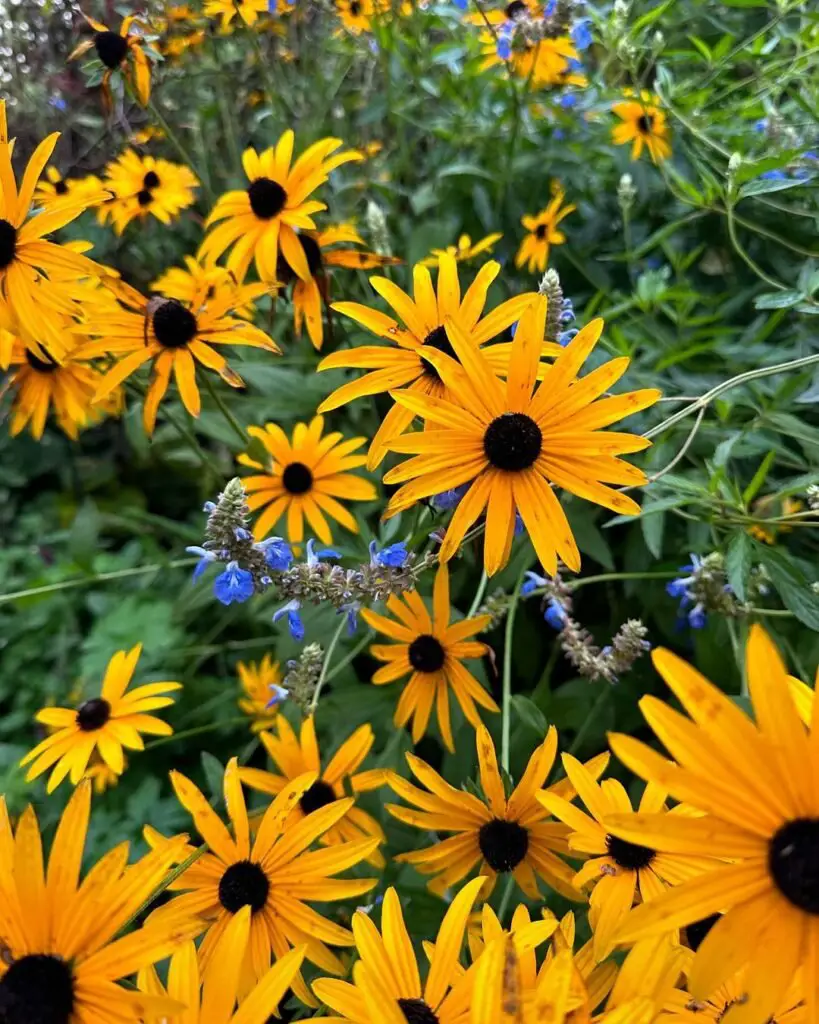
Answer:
x=738 y=562
x=456 y=169
x=530 y=714
x=214 y=773
x=653 y=528
x=792 y=585
x=760 y=186
x=778 y=300
x=758 y=479
x=83 y=538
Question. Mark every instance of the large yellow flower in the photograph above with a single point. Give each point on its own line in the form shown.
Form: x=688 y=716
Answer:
x=543 y=233
x=513 y=440
x=62 y=958
x=104 y=724
x=643 y=123
x=388 y=988
x=505 y=835
x=756 y=782
x=424 y=316
x=274 y=875
x=294 y=756
x=430 y=651
x=36 y=275
x=260 y=218
x=304 y=477
x=174 y=336
x=143 y=185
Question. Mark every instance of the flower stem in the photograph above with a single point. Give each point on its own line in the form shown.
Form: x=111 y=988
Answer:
x=322 y=679
x=507 y=895
x=345 y=661
x=506 y=709
x=235 y=425
x=86 y=581
x=198 y=731
x=184 y=155
x=478 y=595
x=169 y=879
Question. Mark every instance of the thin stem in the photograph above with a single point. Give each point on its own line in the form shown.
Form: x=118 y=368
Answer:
x=743 y=255
x=602 y=697
x=169 y=879
x=677 y=458
x=507 y=895
x=478 y=595
x=325 y=666
x=608 y=576
x=102 y=577
x=200 y=730
x=506 y=708
x=345 y=661
x=236 y=426
x=184 y=155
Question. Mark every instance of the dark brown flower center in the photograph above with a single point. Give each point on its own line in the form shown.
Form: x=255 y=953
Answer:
x=93 y=714
x=793 y=861
x=8 y=243
x=151 y=180
x=417 y=1011
x=503 y=844
x=111 y=48
x=267 y=198
x=60 y=187
x=47 y=365
x=317 y=796
x=630 y=856
x=174 y=326
x=426 y=653
x=297 y=478
x=437 y=339
x=540 y=232
x=244 y=884
x=512 y=441
x=145 y=197
x=645 y=124
x=37 y=989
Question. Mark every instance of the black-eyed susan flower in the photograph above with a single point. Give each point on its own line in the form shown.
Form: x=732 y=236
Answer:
x=525 y=934
x=682 y=1009
x=214 y=282
x=505 y=836
x=357 y=16
x=173 y=336
x=304 y=477
x=545 y=61
x=593 y=980
x=543 y=233
x=430 y=650
x=643 y=125
x=55 y=189
x=423 y=315
x=756 y=783
x=464 y=249
x=62 y=959
x=620 y=872
x=39 y=383
x=504 y=991
x=645 y=982
x=388 y=988
x=261 y=685
x=143 y=185
x=100 y=775
x=120 y=51
x=35 y=274
x=215 y=1003
x=226 y=10
x=294 y=755
x=105 y=724
x=308 y=295
x=513 y=440
x=258 y=220
x=275 y=875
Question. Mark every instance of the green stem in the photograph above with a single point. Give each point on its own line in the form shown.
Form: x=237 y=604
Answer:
x=478 y=595
x=200 y=730
x=236 y=426
x=506 y=708
x=743 y=255
x=602 y=697
x=184 y=155
x=325 y=666
x=169 y=879
x=606 y=577
x=507 y=895
x=101 y=577
x=345 y=661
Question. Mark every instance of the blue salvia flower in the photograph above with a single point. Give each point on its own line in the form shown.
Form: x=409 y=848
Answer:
x=680 y=588
x=279 y=695
x=205 y=559
x=581 y=34
x=277 y=553
x=549 y=8
x=294 y=623
x=568 y=100
x=393 y=555
x=314 y=557
x=504 y=43
x=234 y=584
x=447 y=500
x=519 y=527
x=532 y=582
x=351 y=610
x=555 y=614
x=461 y=4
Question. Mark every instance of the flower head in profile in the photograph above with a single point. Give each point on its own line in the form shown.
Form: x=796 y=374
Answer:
x=304 y=477
x=543 y=233
x=294 y=755
x=123 y=52
x=173 y=337
x=143 y=186
x=54 y=189
x=226 y=10
x=212 y=281
x=643 y=124
x=260 y=682
x=104 y=724
x=63 y=954
x=463 y=250
x=754 y=782
x=407 y=362
x=257 y=222
x=514 y=440
x=430 y=649
x=505 y=836
x=275 y=875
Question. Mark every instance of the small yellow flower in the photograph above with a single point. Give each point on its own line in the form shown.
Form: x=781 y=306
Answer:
x=257 y=680
x=248 y=11
x=56 y=189
x=643 y=125
x=543 y=233
x=143 y=185
x=463 y=250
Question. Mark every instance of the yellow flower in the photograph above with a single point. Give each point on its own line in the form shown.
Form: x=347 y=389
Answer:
x=357 y=15
x=463 y=250
x=174 y=336
x=645 y=982
x=248 y=11
x=104 y=724
x=262 y=217
x=505 y=993
x=174 y=47
x=61 y=958
x=215 y=1003
x=143 y=185
x=36 y=275
x=211 y=281
x=543 y=233
x=119 y=51
x=755 y=782
x=387 y=985
x=56 y=189
x=682 y=1009
x=513 y=441
x=304 y=477
x=258 y=681
x=765 y=507
x=294 y=756
x=505 y=836
x=274 y=876
x=408 y=362
x=100 y=775
x=430 y=651
x=619 y=871
x=545 y=62
x=643 y=124
x=307 y=295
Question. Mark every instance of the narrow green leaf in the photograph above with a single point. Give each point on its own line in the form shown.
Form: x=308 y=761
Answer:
x=758 y=478
x=738 y=562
